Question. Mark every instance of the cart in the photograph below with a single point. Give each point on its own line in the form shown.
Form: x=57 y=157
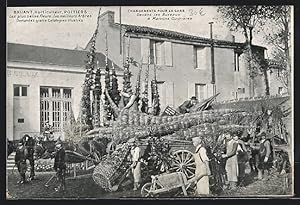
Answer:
x=167 y=182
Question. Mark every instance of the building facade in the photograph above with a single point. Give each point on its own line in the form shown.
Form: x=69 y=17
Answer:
x=186 y=65
x=44 y=84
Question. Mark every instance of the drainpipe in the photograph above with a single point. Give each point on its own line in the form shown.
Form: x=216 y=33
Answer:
x=212 y=55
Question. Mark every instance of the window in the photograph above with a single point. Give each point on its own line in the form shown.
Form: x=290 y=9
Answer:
x=236 y=62
x=21 y=120
x=161 y=53
x=152 y=55
x=55 y=105
x=24 y=91
x=199 y=57
x=200 y=91
x=20 y=90
x=280 y=90
x=16 y=91
x=241 y=90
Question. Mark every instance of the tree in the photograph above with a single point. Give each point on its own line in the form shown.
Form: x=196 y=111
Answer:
x=247 y=19
x=115 y=93
x=279 y=36
x=126 y=78
x=97 y=91
x=144 y=107
x=107 y=84
x=86 y=95
x=69 y=128
x=155 y=95
x=138 y=88
x=89 y=82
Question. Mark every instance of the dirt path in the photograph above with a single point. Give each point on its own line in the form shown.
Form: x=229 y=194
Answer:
x=86 y=188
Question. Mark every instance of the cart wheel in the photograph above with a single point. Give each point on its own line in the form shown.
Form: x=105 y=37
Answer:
x=146 y=190
x=183 y=161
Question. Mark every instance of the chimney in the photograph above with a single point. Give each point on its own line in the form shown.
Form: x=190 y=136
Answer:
x=108 y=17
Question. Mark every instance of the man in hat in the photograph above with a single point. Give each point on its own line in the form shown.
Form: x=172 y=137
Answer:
x=265 y=156
x=136 y=163
x=231 y=166
x=202 y=168
x=242 y=158
x=59 y=165
x=187 y=105
x=20 y=161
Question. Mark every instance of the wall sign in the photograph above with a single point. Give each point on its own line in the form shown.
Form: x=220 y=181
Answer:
x=30 y=74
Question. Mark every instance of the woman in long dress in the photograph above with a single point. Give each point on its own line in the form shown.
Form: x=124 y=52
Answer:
x=202 y=168
x=231 y=167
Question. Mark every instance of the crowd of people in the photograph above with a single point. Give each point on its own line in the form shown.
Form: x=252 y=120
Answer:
x=236 y=156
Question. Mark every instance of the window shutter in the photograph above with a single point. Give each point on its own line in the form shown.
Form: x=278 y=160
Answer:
x=195 y=56
x=160 y=53
x=170 y=93
x=145 y=49
x=207 y=58
x=210 y=90
x=191 y=89
x=168 y=53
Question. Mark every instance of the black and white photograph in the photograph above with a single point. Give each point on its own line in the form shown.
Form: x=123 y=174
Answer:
x=143 y=102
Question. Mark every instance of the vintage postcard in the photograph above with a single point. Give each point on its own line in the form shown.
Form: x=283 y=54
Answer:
x=149 y=101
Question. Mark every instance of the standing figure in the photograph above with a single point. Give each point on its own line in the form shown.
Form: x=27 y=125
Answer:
x=136 y=163
x=20 y=161
x=202 y=168
x=48 y=133
x=187 y=105
x=265 y=157
x=242 y=157
x=60 y=165
x=231 y=166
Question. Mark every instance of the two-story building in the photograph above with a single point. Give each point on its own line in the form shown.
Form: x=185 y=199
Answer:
x=44 y=83
x=186 y=65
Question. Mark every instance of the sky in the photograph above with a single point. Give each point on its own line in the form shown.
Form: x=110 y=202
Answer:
x=70 y=35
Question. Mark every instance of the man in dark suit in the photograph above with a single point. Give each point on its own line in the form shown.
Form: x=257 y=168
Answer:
x=187 y=105
x=20 y=161
x=60 y=165
x=265 y=156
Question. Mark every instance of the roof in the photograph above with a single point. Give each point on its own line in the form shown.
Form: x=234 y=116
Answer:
x=53 y=56
x=174 y=35
x=178 y=35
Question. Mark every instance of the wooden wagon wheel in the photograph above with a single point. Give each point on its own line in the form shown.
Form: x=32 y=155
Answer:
x=146 y=190
x=183 y=161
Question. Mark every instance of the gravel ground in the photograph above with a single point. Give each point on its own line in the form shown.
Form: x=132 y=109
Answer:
x=86 y=188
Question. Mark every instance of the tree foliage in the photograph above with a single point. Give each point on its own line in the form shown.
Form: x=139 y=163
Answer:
x=88 y=83
x=245 y=19
x=279 y=37
x=115 y=93
x=248 y=19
